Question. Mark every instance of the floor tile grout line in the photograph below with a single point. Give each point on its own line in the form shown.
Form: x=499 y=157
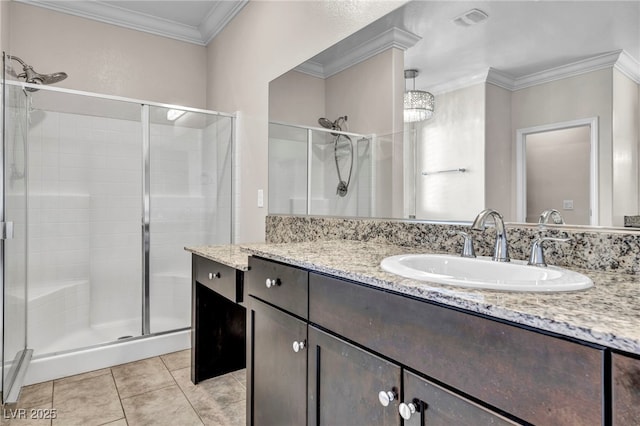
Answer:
x=164 y=363
x=113 y=421
x=53 y=399
x=167 y=365
x=238 y=380
x=149 y=391
x=124 y=413
x=187 y=398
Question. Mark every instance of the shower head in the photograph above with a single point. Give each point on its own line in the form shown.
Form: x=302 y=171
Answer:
x=333 y=125
x=326 y=123
x=30 y=76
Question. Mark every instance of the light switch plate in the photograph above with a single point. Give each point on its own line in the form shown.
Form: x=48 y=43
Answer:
x=260 y=198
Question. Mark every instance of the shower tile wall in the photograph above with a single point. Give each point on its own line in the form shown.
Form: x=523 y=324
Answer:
x=84 y=225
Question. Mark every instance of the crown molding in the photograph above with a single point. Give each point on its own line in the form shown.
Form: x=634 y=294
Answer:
x=460 y=83
x=218 y=17
x=393 y=37
x=618 y=59
x=628 y=66
x=595 y=63
x=314 y=69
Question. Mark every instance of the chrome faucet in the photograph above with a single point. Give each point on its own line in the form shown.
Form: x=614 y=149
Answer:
x=501 y=250
x=551 y=214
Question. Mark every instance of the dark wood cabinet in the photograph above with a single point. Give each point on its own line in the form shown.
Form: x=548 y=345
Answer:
x=626 y=390
x=218 y=321
x=345 y=383
x=539 y=378
x=277 y=306
x=277 y=371
x=426 y=403
x=435 y=364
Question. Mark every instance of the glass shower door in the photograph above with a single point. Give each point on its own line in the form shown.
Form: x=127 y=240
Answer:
x=84 y=261
x=15 y=356
x=189 y=194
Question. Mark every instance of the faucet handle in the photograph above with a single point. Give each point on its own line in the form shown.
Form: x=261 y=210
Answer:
x=467 y=246
x=550 y=214
x=536 y=257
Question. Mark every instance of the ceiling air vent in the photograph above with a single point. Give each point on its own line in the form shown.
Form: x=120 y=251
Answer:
x=470 y=17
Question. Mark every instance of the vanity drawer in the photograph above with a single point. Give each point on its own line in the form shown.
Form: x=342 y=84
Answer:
x=222 y=279
x=539 y=378
x=281 y=285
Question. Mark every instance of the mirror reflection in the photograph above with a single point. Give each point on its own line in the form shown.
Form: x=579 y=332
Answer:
x=535 y=108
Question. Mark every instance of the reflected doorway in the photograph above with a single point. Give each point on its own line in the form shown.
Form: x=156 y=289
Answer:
x=557 y=169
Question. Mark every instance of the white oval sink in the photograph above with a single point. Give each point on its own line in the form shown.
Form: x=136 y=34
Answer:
x=482 y=272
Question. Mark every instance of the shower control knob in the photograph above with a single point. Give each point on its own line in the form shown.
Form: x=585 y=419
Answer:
x=407 y=410
x=298 y=346
x=270 y=282
x=213 y=275
x=385 y=397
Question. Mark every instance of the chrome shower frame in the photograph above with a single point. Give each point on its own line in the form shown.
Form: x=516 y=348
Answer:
x=146 y=196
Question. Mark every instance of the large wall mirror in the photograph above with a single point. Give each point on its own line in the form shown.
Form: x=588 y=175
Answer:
x=536 y=107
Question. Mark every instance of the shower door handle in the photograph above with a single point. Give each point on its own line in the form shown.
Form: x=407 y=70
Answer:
x=6 y=230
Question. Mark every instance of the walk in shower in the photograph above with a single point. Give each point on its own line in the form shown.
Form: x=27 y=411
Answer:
x=325 y=171
x=104 y=193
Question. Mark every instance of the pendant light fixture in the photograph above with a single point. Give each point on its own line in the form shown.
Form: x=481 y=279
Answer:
x=418 y=104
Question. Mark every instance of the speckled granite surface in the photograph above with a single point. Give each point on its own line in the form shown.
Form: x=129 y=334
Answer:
x=230 y=255
x=632 y=221
x=603 y=250
x=607 y=314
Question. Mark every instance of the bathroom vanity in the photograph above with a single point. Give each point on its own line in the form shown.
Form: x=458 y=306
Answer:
x=218 y=314
x=343 y=342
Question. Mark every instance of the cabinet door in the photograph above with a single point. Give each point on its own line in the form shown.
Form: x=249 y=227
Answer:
x=345 y=383
x=428 y=404
x=277 y=373
x=626 y=390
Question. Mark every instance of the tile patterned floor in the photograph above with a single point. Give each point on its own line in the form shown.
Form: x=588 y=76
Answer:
x=155 y=391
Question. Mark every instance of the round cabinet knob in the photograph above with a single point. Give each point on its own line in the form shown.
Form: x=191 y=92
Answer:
x=298 y=346
x=213 y=275
x=272 y=282
x=385 y=397
x=407 y=410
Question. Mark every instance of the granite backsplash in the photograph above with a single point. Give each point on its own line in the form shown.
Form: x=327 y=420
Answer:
x=606 y=250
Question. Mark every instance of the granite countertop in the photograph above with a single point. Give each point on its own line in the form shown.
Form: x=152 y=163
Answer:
x=607 y=314
x=230 y=255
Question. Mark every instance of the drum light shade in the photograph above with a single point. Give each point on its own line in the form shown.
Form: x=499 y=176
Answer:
x=418 y=104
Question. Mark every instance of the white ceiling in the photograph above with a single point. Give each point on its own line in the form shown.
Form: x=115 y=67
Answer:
x=195 y=22
x=518 y=39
